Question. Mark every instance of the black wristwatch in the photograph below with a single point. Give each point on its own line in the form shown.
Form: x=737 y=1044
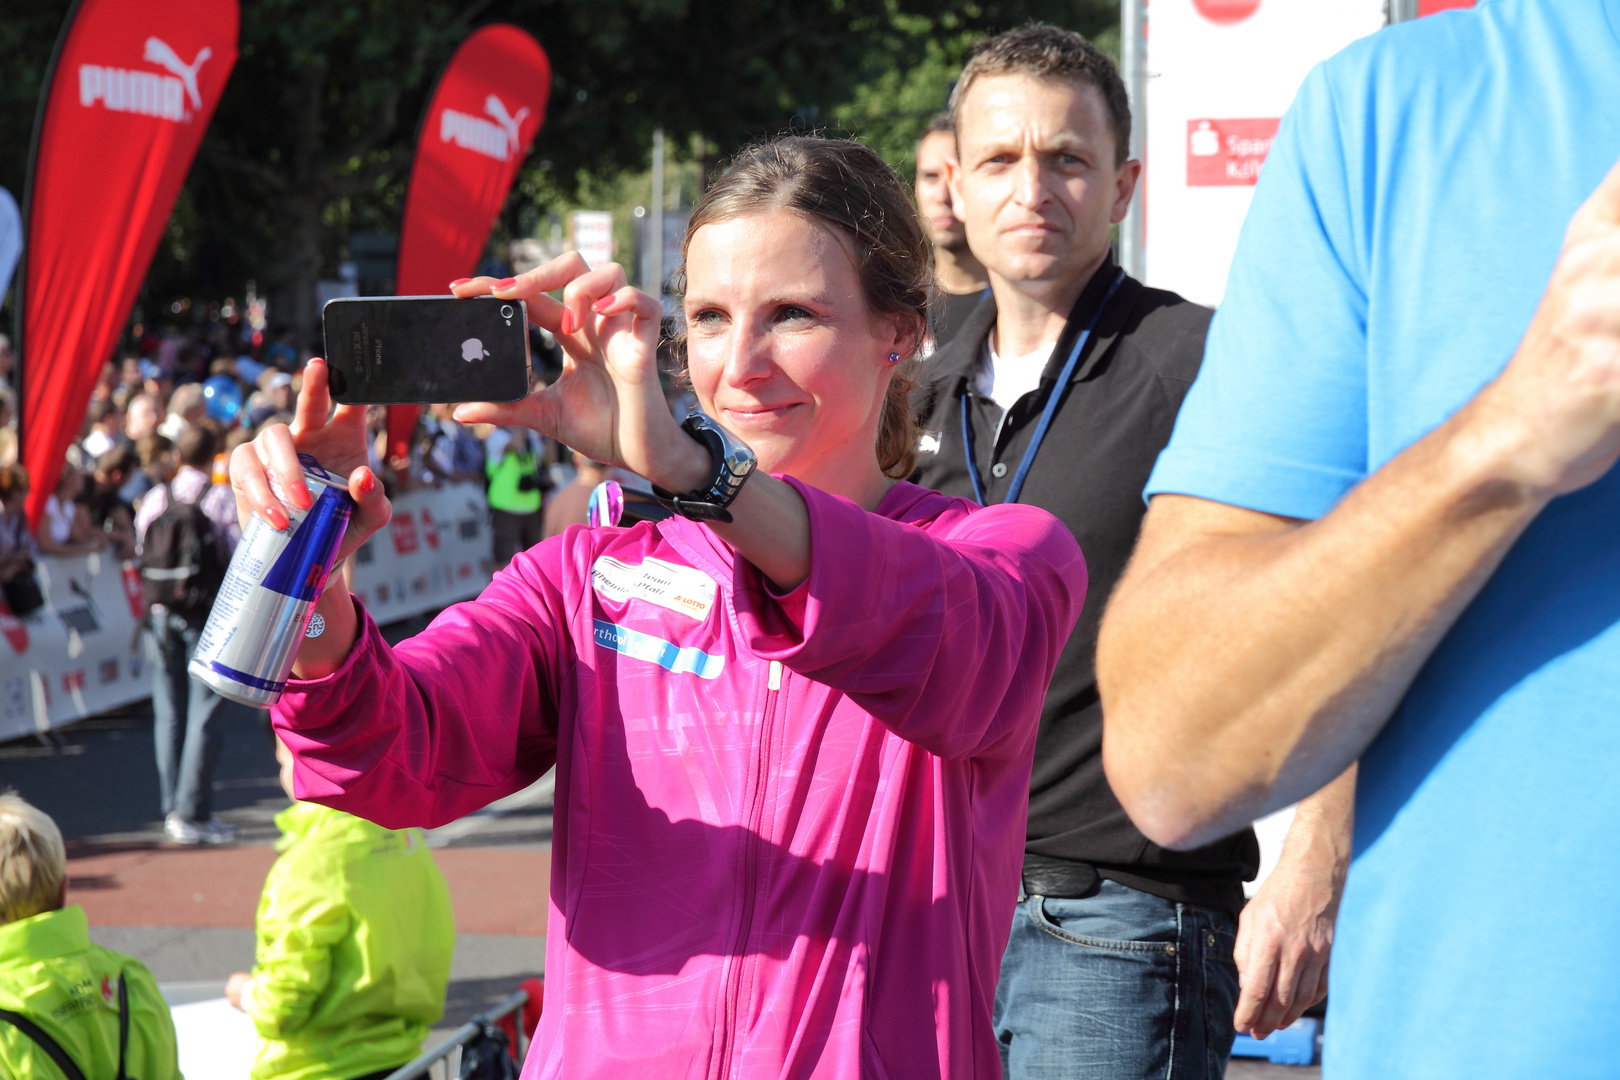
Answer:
x=733 y=461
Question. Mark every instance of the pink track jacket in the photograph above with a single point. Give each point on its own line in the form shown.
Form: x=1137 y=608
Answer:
x=789 y=829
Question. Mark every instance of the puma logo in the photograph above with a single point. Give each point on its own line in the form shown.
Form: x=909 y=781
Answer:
x=499 y=137
x=159 y=53
x=509 y=123
x=146 y=93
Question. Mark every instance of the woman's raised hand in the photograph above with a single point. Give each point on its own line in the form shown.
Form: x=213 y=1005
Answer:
x=608 y=404
x=337 y=440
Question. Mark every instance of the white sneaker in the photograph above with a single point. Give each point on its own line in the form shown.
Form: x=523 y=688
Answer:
x=212 y=832
x=180 y=830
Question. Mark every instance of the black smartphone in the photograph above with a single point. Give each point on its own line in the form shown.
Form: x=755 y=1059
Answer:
x=397 y=350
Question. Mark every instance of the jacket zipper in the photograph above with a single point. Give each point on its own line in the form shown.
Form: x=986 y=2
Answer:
x=739 y=965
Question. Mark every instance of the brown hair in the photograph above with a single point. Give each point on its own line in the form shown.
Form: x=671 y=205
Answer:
x=12 y=478
x=151 y=447
x=1047 y=52
x=850 y=189
x=197 y=446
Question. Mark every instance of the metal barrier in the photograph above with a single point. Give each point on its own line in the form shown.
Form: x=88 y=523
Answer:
x=502 y=1015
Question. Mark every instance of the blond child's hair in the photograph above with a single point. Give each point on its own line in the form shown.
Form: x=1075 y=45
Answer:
x=33 y=860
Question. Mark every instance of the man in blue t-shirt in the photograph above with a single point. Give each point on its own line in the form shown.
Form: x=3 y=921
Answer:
x=1388 y=527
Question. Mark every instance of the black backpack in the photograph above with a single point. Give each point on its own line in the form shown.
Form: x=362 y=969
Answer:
x=182 y=560
x=53 y=1049
x=488 y=1055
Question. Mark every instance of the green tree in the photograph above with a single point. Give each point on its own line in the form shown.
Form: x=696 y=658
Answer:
x=313 y=137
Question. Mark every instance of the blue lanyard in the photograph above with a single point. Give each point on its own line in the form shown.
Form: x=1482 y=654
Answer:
x=1047 y=411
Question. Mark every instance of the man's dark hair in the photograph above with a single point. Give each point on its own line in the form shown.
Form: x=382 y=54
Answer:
x=197 y=446
x=1046 y=52
x=942 y=121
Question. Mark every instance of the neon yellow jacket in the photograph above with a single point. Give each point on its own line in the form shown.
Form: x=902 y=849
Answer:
x=50 y=973
x=354 y=944
x=504 y=474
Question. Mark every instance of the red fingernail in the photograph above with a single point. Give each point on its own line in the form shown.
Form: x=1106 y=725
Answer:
x=505 y=283
x=568 y=326
x=278 y=520
x=368 y=483
x=460 y=281
x=602 y=304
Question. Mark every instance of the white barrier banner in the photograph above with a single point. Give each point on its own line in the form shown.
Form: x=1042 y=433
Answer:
x=1221 y=75
x=434 y=553
x=79 y=654
x=82 y=654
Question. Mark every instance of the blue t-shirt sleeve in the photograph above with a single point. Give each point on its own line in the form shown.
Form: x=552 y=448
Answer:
x=1277 y=419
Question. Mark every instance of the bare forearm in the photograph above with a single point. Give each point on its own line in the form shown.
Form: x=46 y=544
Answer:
x=1319 y=840
x=1249 y=668
x=769 y=526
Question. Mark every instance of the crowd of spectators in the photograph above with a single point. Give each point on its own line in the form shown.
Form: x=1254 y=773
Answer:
x=222 y=377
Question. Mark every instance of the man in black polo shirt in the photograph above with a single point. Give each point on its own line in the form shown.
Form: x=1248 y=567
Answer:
x=1060 y=391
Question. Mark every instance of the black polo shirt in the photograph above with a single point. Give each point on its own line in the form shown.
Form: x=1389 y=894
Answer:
x=1113 y=418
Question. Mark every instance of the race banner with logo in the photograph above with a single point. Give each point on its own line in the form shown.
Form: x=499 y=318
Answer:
x=126 y=103
x=1221 y=75
x=84 y=653
x=78 y=655
x=480 y=122
x=435 y=552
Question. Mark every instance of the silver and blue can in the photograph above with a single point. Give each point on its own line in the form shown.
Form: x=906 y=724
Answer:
x=251 y=639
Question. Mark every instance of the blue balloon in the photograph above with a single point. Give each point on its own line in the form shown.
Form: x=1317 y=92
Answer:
x=223 y=396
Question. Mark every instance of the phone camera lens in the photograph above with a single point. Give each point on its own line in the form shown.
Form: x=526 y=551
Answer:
x=506 y=311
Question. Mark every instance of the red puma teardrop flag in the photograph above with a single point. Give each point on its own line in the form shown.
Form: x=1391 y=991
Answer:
x=127 y=101
x=480 y=123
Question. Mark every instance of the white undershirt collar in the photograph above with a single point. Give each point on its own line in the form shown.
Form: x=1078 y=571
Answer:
x=1005 y=379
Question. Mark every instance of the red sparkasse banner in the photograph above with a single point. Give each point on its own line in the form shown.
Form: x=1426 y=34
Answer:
x=134 y=86
x=1430 y=7
x=479 y=125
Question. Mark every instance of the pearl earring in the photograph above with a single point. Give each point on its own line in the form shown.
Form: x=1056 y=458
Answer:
x=894 y=358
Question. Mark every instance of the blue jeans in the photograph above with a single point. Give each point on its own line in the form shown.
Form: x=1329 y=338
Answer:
x=186 y=718
x=1119 y=985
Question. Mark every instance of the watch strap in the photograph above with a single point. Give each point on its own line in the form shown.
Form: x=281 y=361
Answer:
x=710 y=502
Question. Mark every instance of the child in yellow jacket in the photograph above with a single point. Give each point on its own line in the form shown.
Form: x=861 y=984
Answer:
x=354 y=944
x=67 y=1008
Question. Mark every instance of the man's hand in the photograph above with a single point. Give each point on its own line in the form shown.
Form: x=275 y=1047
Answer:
x=1285 y=934
x=234 y=987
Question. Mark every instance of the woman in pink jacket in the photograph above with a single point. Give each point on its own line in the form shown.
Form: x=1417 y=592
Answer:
x=792 y=743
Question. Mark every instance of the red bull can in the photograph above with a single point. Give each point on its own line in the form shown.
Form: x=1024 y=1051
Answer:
x=251 y=638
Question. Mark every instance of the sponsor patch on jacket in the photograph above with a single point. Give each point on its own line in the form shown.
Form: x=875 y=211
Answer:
x=655 y=650
x=678 y=588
